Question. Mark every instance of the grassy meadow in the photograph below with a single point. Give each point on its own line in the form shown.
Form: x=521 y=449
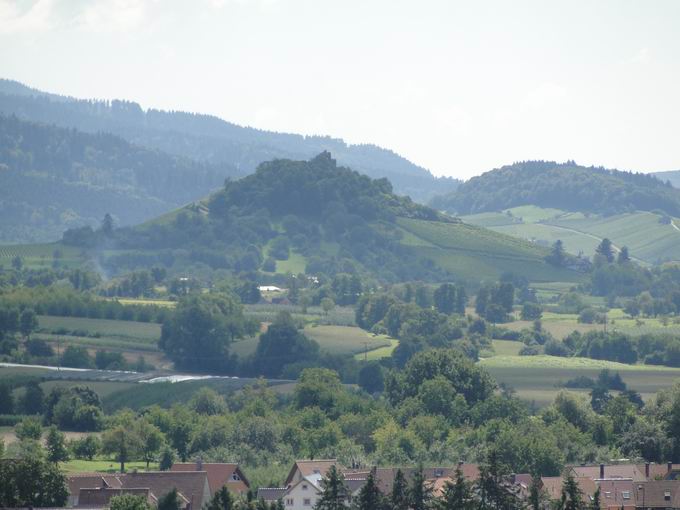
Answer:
x=648 y=240
x=466 y=249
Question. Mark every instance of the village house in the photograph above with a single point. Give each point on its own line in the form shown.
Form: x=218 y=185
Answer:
x=219 y=475
x=88 y=490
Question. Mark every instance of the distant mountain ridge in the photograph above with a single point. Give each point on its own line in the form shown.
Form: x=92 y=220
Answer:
x=54 y=178
x=565 y=186
x=672 y=176
x=213 y=140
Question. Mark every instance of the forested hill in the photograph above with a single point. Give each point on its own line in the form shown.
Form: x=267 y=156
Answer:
x=211 y=139
x=54 y=178
x=565 y=186
x=318 y=218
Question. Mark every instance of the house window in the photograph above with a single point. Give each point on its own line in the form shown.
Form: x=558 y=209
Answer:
x=607 y=494
x=625 y=494
x=289 y=501
x=304 y=487
x=235 y=478
x=307 y=502
x=438 y=473
x=667 y=495
x=317 y=472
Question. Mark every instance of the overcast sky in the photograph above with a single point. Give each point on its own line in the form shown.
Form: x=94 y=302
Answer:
x=457 y=87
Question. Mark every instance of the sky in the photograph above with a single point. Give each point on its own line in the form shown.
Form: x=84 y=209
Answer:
x=458 y=87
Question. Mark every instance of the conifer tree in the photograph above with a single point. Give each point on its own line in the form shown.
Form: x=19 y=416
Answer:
x=457 y=495
x=399 y=499
x=222 y=500
x=420 y=493
x=370 y=497
x=334 y=491
x=572 y=497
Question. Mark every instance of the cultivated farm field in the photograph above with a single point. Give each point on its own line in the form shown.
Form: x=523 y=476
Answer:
x=38 y=256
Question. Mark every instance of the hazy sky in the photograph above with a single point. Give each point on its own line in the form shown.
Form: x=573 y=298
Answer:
x=457 y=87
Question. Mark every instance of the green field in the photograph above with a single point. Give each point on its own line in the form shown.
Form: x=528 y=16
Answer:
x=467 y=250
x=149 y=302
x=147 y=332
x=379 y=353
x=36 y=256
x=343 y=340
x=535 y=377
x=648 y=240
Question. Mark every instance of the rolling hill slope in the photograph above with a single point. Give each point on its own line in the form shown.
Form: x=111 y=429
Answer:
x=648 y=236
x=211 y=139
x=328 y=220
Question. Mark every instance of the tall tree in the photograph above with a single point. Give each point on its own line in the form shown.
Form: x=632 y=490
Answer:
x=370 y=497
x=222 y=500
x=123 y=443
x=457 y=495
x=494 y=492
x=595 y=503
x=557 y=256
x=537 y=497
x=461 y=299
x=572 y=497
x=399 y=498
x=420 y=492
x=445 y=298
x=56 y=445
x=606 y=250
x=623 y=256
x=333 y=491
x=150 y=439
x=31 y=482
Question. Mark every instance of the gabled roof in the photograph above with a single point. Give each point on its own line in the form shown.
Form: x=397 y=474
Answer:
x=611 y=471
x=271 y=493
x=658 y=494
x=310 y=467
x=192 y=484
x=78 y=481
x=100 y=497
x=219 y=474
x=553 y=486
x=385 y=476
x=617 y=492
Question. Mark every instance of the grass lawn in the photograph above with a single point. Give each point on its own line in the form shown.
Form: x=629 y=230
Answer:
x=295 y=264
x=104 y=466
x=507 y=347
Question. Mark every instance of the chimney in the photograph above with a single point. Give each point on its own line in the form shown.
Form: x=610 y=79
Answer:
x=199 y=464
x=646 y=469
x=601 y=471
x=670 y=467
x=460 y=463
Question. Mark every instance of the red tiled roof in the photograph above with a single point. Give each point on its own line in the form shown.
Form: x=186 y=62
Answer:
x=219 y=474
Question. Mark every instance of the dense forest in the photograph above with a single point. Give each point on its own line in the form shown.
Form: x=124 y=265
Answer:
x=672 y=176
x=566 y=186
x=53 y=178
x=211 y=139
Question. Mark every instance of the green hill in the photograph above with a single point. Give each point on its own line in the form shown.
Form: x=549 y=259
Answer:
x=564 y=186
x=53 y=178
x=210 y=139
x=325 y=219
